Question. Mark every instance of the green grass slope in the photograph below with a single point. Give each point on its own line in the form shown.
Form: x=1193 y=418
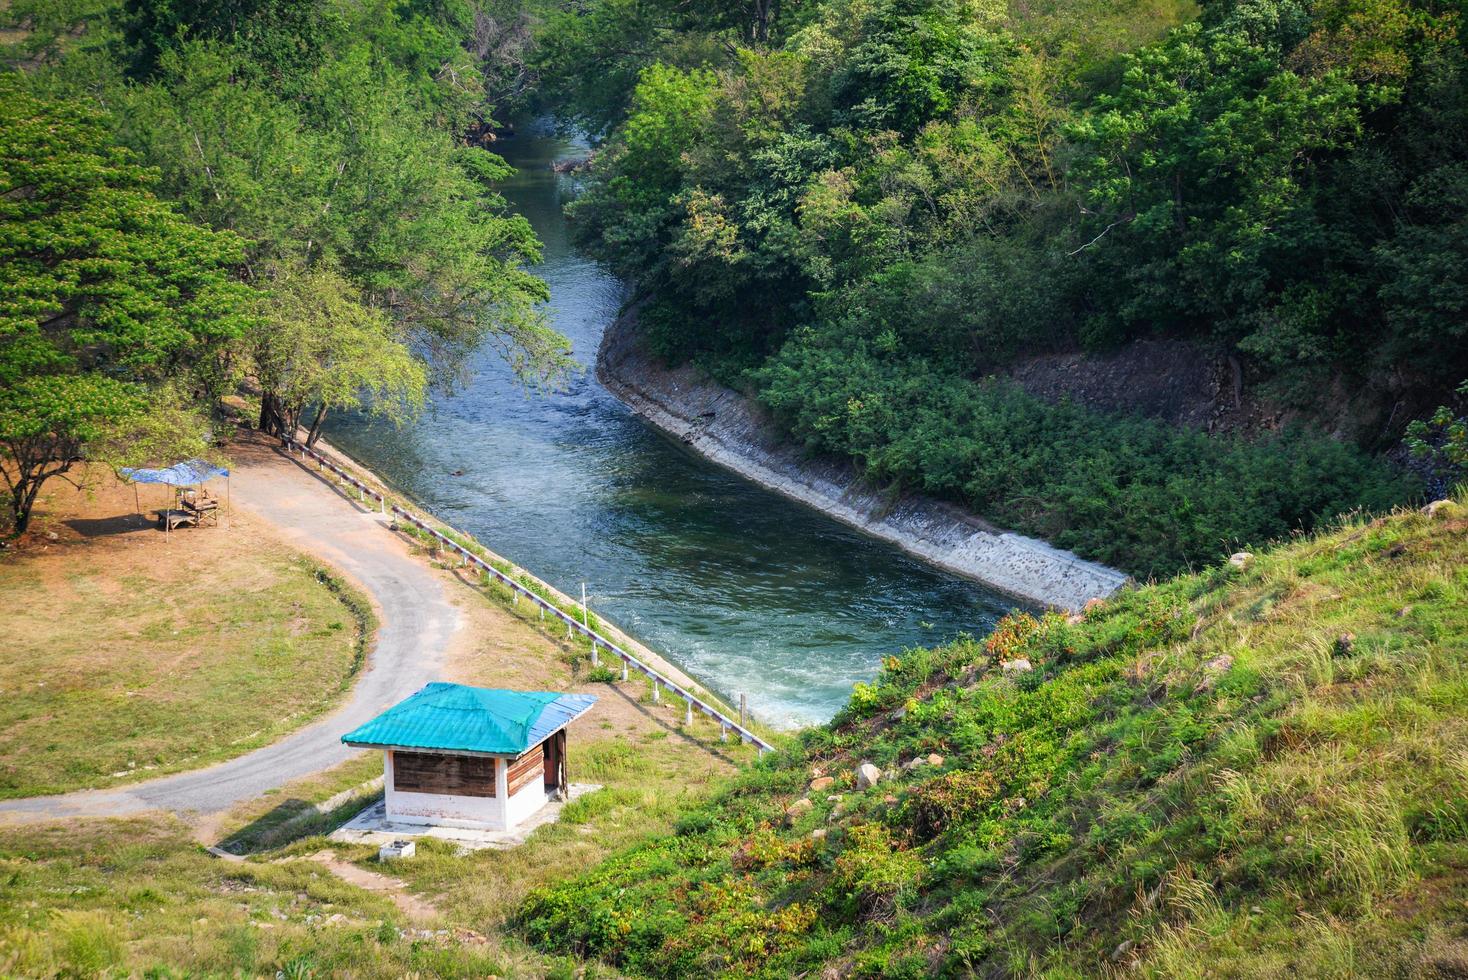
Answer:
x=1245 y=772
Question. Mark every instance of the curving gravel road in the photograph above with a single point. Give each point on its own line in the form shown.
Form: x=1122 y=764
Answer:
x=417 y=624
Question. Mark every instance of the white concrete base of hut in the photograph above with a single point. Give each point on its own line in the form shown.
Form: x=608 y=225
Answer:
x=371 y=826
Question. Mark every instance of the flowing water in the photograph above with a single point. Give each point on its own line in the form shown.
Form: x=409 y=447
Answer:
x=744 y=590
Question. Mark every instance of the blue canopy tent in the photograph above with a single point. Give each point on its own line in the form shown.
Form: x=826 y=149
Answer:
x=190 y=473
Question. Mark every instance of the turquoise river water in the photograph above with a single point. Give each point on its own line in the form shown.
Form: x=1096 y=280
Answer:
x=744 y=590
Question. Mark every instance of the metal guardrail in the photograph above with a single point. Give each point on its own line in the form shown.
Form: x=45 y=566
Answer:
x=598 y=641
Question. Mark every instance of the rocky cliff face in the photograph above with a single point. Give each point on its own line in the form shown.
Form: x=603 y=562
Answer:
x=734 y=432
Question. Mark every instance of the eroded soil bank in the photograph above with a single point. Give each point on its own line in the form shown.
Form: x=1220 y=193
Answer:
x=731 y=430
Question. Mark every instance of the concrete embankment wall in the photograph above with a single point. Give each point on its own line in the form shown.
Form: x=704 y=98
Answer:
x=737 y=433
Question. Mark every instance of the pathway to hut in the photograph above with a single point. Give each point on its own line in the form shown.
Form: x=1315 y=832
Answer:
x=418 y=624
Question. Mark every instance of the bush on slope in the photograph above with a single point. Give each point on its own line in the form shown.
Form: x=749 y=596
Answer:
x=1243 y=772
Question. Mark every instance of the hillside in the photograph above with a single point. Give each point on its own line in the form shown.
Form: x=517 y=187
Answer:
x=1262 y=768
x=1021 y=258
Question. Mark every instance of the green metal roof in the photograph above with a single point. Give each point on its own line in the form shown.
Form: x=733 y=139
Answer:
x=456 y=717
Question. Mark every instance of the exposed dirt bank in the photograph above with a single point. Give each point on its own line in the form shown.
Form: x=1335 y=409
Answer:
x=734 y=432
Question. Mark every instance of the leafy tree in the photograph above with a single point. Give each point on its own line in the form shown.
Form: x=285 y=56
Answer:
x=1441 y=441
x=106 y=294
x=626 y=218
x=278 y=37
x=319 y=345
x=359 y=175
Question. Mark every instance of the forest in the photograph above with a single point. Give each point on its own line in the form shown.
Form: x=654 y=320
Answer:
x=865 y=213
x=285 y=196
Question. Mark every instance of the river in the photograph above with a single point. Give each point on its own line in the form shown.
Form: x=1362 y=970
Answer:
x=744 y=590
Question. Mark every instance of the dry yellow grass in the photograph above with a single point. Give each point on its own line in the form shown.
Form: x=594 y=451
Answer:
x=129 y=654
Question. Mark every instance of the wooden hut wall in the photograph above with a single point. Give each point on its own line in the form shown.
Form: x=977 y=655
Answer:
x=449 y=775
x=527 y=768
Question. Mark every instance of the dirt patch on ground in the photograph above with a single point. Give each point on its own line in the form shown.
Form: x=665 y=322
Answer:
x=417 y=909
x=1197 y=386
x=1172 y=380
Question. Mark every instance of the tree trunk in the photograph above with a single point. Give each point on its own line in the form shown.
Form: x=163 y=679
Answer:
x=315 y=432
x=26 y=486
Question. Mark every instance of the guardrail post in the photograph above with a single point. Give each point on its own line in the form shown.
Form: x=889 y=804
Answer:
x=595 y=655
x=657 y=694
x=624 y=671
x=687 y=714
x=723 y=731
x=743 y=705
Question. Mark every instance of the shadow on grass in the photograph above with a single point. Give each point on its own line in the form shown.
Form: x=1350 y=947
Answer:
x=293 y=819
x=99 y=527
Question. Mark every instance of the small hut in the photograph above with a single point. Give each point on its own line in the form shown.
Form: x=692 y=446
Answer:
x=472 y=757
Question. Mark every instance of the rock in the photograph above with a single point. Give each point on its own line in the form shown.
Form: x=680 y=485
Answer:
x=1289 y=838
x=899 y=714
x=798 y=809
x=818 y=834
x=912 y=764
x=820 y=783
x=1240 y=559
x=52 y=536
x=1443 y=508
x=890 y=800
x=1344 y=645
x=834 y=798
x=1404 y=612
x=1122 y=948
x=935 y=759
x=1075 y=619
x=867 y=776
x=1020 y=666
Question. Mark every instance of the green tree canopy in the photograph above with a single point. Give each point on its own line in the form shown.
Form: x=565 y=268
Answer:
x=106 y=293
x=318 y=344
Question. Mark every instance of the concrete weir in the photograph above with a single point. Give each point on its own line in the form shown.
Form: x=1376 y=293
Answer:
x=733 y=431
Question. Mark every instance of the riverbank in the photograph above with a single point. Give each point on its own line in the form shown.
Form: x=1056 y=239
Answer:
x=734 y=432
x=613 y=632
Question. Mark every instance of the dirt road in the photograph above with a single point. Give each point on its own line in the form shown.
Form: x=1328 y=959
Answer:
x=418 y=623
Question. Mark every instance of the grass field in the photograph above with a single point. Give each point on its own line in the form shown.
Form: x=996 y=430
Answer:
x=141 y=897
x=128 y=655
x=1246 y=772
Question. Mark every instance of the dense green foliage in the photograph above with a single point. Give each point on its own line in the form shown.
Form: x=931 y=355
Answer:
x=1134 y=493
x=1249 y=772
x=110 y=301
x=882 y=203
x=332 y=141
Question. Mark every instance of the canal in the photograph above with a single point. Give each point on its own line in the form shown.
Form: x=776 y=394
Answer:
x=744 y=590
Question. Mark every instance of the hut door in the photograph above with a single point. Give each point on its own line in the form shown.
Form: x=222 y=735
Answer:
x=555 y=762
